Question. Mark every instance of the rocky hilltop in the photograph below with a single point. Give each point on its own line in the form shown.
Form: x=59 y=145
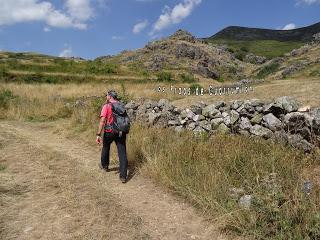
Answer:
x=182 y=52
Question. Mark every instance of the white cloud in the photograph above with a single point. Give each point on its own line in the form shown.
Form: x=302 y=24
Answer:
x=140 y=26
x=47 y=29
x=289 y=26
x=174 y=16
x=307 y=2
x=117 y=38
x=79 y=9
x=19 y=11
x=66 y=52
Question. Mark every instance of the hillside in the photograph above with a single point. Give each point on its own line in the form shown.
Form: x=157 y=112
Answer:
x=184 y=53
x=264 y=42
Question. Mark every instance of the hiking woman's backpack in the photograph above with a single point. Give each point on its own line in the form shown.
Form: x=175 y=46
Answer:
x=121 y=120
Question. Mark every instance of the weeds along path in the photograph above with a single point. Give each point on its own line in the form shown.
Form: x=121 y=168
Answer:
x=52 y=188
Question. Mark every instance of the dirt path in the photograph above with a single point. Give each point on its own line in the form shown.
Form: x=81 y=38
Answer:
x=51 y=188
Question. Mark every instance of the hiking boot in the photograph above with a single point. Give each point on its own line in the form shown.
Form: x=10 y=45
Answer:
x=123 y=180
x=104 y=168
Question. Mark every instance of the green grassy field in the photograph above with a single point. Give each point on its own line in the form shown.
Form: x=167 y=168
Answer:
x=267 y=48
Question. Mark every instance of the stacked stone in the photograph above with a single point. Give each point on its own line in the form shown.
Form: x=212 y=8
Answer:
x=279 y=120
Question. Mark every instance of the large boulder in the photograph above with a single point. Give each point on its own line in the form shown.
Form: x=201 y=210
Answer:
x=216 y=122
x=271 y=122
x=210 y=110
x=222 y=128
x=245 y=123
x=289 y=104
x=260 y=131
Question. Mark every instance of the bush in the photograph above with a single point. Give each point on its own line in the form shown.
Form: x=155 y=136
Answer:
x=240 y=55
x=3 y=74
x=5 y=97
x=315 y=73
x=267 y=70
x=187 y=78
x=164 y=77
x=124 y=96
x=194 y=86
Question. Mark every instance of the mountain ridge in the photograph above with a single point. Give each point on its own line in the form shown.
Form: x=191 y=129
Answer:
x=303 y=34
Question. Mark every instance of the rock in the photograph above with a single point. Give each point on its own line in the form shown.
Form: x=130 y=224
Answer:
x=173 y=123
x=223 y=129
x=131 y=105
x=245 y=201
x=183 y=114
x=271 y=122
x=189 y=114
x=225 y=114
x=316 y=121
x=251 y=58
x=234 y=116
x=289 y=104
x=274 y=108
x=205 y=125
x=210 y=111
x=191 y=126
x=153 y=117
x=227 y=120
x=297 y=141
x=316 y=37
x=260 y=131
x=196 y=109
x=163 y=102
x=245 y=123
x=183 y=35
x=198 y=130
x=257 y=118
x=197 y=118
x=236 y=104
x=220 y=104
x=216 y=122
x=280 y=136
x=259 y=109
x=178 y=128
x=205 y=71
x=297 y=120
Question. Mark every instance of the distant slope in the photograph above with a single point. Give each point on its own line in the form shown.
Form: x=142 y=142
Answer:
x=304 y=34
x=263 y=42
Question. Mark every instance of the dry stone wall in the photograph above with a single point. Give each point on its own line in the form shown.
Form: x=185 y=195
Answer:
x=280 y=119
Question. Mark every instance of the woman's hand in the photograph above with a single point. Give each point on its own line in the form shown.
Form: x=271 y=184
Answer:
x=98 y=140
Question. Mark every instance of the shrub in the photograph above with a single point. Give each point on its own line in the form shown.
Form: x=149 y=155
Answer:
x=124 y=96
x=240 y=55
x=194 y=86
x=187 y=78
x=3 y=74
x=164 y=77
x=5 y=97
x=267 y=70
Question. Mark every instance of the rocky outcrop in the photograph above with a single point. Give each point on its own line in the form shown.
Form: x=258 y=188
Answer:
x=254 y=59
x=278 y=120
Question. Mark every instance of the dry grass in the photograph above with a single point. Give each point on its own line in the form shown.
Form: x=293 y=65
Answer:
x=49 y=197
x=203 y=170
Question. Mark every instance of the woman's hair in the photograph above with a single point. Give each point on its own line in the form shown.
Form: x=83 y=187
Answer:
x=113 y=94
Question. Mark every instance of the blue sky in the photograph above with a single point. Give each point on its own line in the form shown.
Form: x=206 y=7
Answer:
x=92 y=28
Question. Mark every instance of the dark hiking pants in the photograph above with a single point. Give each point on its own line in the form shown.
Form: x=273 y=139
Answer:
x=108 y=138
